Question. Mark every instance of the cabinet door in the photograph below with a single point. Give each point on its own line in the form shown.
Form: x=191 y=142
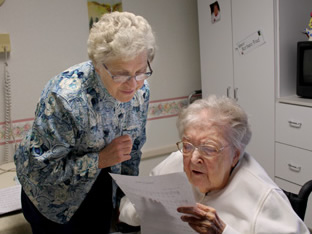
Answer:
x=254 y=75
x=216 y=53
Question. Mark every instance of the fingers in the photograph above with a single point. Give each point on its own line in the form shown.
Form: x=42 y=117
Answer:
x=200 y=211
x=123 y=138
x=116 y=152
x=200 y=225
x=197 y=215
x=123 y=144
x=203 y=219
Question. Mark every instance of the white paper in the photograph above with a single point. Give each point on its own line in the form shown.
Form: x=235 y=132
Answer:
x=250 y=43
x=10 y=199
x=156 y=199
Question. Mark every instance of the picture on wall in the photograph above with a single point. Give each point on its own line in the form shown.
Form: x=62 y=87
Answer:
x=96 y=8
x=215 y=12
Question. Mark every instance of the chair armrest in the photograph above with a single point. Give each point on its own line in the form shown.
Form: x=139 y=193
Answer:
x=305 y=190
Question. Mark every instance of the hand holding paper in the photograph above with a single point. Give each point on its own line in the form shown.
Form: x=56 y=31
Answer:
x=156 y=199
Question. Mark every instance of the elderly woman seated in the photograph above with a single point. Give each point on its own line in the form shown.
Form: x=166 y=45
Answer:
x=234 y=193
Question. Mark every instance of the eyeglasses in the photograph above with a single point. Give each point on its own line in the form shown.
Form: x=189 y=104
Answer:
x=208 y=150
x=123 y=78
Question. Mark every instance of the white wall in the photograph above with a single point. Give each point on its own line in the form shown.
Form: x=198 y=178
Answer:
x=46 y=38
x=49 y=36
x=177 y=65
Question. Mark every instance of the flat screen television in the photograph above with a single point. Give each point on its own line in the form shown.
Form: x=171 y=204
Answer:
x=304 y=69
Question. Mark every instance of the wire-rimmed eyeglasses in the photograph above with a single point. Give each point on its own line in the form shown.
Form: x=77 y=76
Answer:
x=208 y=150
x=124 y=78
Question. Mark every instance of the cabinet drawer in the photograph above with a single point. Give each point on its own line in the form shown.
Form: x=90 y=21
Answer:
x=293 y=164
x=294 y=125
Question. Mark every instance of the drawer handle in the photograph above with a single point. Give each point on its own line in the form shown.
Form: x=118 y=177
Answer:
x=294 y=168
x=294 y=124
x=228 y=91
x=235 y=94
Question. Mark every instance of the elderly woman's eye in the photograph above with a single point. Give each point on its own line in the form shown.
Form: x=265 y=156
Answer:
x=209 y=150
x=187 y=147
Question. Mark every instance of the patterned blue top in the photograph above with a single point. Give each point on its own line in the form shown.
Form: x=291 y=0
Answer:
x=76 y=117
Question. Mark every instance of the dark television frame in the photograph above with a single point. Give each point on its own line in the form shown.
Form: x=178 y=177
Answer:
x=303 y=89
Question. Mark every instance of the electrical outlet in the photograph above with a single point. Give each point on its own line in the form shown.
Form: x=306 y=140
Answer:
x=5 y=42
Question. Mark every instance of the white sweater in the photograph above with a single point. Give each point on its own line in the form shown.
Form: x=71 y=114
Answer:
x=251 y=202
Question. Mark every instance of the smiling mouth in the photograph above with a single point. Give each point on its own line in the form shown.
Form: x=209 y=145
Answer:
x=128 y=92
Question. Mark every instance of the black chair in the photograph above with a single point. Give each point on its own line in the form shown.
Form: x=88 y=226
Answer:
x=299 y=201
x=125 y=228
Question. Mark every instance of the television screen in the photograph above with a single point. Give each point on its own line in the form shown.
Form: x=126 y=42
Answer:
x=304 y=69
x=307 y=67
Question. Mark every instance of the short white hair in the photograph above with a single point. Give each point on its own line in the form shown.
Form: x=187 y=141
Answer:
x=226 y=114
x=120 y=35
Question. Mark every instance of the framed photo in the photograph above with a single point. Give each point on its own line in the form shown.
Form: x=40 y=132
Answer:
x=96 y=8
x=215 y=12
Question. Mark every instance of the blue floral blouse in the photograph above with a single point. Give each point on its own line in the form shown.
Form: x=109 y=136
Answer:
x=76 y=117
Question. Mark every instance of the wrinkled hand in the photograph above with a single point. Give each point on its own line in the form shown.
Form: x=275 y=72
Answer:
x=115 y=152
x=203 y=219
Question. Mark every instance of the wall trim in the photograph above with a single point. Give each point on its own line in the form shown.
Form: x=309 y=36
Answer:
x=166 y=108
x=158 y=109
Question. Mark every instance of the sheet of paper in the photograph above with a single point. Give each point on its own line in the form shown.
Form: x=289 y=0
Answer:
x=10 y=199
x=250 y=43
x=156 y=199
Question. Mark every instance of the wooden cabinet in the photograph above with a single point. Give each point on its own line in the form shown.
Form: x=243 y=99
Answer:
x=249 y=77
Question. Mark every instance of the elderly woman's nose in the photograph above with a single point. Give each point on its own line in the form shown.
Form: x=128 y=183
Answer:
x=132 y=82
x=195 y=156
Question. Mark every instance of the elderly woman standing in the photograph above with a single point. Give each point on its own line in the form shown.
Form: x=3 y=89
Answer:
x=90 y=120
x=234 y=193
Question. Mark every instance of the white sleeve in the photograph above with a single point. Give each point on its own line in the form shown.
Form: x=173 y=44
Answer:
x=229 y=230
x=128 y=213
x=281 y=220
x=171 y=164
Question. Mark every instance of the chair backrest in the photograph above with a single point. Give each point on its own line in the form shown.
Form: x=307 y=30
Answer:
x=299 y=201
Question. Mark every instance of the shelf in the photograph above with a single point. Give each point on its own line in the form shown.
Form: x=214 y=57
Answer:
x=295 y=100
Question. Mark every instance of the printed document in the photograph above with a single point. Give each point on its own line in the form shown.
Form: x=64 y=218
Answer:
x=156 y=199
